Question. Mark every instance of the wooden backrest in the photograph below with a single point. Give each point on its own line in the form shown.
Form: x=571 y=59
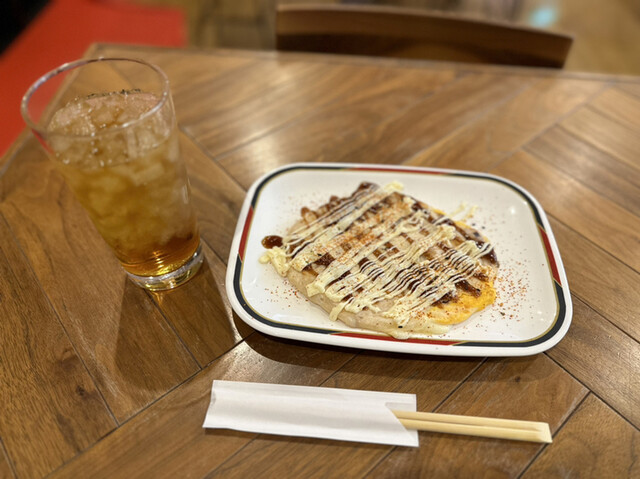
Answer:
x=409 y=33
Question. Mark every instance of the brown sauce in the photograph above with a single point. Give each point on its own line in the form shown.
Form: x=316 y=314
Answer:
x=272 y=241
x=491 y=257
x=339 y=278
x=444 y=299
x=481 y=276
x=408 y=279
x=464 y=285
x=407 y=237
x=324 y=260
x=365 y=186
x=309 y=269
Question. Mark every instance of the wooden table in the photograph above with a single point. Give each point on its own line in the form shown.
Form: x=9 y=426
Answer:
x=101 y=379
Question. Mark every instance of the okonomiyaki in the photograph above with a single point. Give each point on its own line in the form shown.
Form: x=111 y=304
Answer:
x=384 y=261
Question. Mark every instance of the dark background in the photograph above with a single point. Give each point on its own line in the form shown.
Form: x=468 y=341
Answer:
x=14 y=17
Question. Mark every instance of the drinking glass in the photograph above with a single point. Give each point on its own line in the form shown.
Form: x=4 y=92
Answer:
x=109 y=126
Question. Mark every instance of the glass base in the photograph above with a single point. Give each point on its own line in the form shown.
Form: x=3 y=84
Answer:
x=173 y=279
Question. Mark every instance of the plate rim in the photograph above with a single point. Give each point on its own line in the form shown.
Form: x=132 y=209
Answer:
x=364 y=340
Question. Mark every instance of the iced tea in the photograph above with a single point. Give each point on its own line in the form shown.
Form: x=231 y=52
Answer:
x=131 y=180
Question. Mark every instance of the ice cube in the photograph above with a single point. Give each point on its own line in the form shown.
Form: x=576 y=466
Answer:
x=145 y=176
x=146 y=140
x=104 y=116
x=111 y=184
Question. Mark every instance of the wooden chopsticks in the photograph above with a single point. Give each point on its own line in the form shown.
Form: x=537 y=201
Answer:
x=476 y=426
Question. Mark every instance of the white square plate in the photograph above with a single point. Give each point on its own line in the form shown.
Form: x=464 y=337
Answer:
x=533 y=308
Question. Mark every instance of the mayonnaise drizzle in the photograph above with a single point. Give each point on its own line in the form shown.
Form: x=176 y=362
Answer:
x=381 y=249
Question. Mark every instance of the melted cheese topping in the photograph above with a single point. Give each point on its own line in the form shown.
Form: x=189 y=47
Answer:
x=378 y=245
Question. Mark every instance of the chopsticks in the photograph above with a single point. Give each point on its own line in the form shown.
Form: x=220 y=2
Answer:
x=476 y=426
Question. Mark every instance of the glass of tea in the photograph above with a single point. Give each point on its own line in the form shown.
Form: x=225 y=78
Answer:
x=109 y=126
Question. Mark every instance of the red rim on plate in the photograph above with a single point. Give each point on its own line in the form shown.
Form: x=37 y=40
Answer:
x=348 y=337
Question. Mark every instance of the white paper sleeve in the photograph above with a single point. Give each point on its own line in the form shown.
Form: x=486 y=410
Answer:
x=329 y=413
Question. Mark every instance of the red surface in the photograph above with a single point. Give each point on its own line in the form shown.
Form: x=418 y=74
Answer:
x=245 y=234
x=552 y=258
x=63 y=31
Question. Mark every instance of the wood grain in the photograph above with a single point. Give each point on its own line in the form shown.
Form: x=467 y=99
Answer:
x=531 y=388
x=276 y=107
x=167 y=438
x=234 y=109
x=492 y=137
x=196 y=69
x=109 y=320
x=216 y=197
x=597 y=218
x=603 y=173
x=315 y=137
x=604 y=283
x=631 y=88
x=431 y=381
x=184 y=68
x=595 y=442
x=101 y=379
x=620 y=106
x=277 y=456
x=201 y=314
x=51 y=410
x=604 y=359
x=619 y=140
x=5 y=468
x=399 y=138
